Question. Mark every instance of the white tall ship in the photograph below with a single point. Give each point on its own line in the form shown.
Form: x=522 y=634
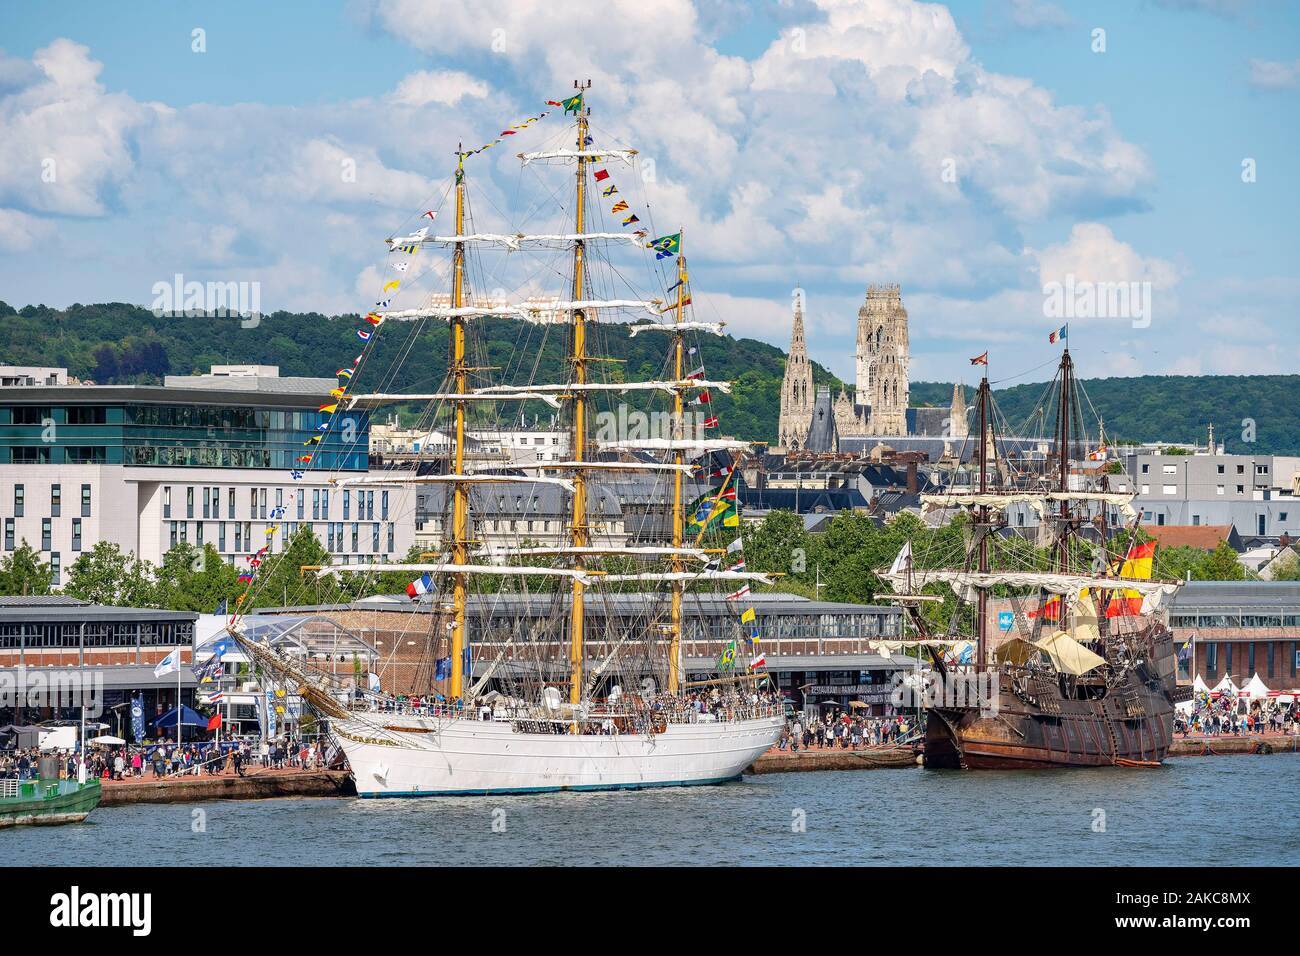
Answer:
x=563 y=710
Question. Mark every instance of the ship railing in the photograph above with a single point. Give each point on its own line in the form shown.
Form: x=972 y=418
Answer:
x=9 y=788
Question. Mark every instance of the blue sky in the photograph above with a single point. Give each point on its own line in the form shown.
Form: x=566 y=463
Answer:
x=796 y=141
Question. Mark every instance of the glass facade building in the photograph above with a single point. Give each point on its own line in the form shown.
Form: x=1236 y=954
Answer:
x=149 y=426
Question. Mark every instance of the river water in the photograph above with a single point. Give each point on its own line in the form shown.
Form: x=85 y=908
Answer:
x=1192 y=811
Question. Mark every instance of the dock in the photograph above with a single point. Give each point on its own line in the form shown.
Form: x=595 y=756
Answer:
x=256 y=785
x=863 y=758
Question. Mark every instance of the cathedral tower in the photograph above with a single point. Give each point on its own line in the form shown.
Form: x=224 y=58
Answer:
x=883 y=358
x=797 y=394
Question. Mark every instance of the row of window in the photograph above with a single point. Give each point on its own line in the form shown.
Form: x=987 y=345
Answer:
x=56 y=501
x=47 y=534
x=210 y=500
x=94 y=634
x=240 y=534
x=1289 y=617
x=717 y=627
x=1248 y=661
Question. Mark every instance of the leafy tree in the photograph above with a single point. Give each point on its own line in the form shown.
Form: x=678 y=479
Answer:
x=23 y=572
x=1222 y=564
x=106 y=575
x=191 y=579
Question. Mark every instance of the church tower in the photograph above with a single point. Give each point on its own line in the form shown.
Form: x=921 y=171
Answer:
x=957 y=424
x=883 y=359
x=797 y=394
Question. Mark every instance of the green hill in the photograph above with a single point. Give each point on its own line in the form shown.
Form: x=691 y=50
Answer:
x=1169 y=408
x=115 y=343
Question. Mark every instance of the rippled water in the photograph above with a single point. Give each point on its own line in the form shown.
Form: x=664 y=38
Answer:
x=1191 y=811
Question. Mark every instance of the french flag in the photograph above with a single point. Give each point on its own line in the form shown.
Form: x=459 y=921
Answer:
x=422 y=585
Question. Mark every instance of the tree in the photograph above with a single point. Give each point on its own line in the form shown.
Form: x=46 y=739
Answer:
x=281 y=580
x=1222 y=564
x=196 y=580
x=23 y=572
x=106 y=575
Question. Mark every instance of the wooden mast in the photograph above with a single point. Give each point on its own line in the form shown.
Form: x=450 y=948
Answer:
x=679 y=457
x=460 y=493
x=580 y=535
x=981 y=626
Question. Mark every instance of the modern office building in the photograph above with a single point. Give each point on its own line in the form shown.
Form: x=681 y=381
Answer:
x=206 y=459
x=1254 y=493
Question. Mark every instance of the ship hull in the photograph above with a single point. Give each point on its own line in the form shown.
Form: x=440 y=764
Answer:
x=47 y=803
x=423 y=757
x=1132 y=726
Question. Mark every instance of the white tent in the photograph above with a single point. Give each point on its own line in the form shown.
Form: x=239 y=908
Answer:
x=107 y=739
x=1225 y=686
x=1254 y=689
x=1199 y=686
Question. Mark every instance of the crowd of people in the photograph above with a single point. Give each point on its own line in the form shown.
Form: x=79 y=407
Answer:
x=157 y=760
x=1218 y=715
x=843 y=730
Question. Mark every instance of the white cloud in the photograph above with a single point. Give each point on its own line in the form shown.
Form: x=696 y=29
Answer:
x=445 y=87
x=1271 y=75
x=65 y=143
x=19 y=231
x=1093 y=254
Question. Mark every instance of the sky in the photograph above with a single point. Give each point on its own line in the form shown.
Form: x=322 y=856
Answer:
x=993 y=157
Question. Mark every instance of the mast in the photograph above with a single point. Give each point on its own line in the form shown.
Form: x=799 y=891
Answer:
x=1063 y=464
x=981 y=642
x=460 y=493
x=580 y=536
x=679 y=457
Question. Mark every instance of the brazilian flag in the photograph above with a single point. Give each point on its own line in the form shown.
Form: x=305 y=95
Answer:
x=727 y=660
x=666 y=245
x=707 y=512
x=573 y=104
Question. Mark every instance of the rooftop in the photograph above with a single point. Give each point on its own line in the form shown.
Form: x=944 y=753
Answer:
x=1205 y=537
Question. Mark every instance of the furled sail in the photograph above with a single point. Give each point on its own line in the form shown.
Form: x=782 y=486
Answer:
x=714 y=327
x=389 y=398
x=334 y=570
x=468 y=478
x=623 y=154
x=967 y=583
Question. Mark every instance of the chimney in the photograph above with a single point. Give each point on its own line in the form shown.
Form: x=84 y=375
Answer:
x=911 y=478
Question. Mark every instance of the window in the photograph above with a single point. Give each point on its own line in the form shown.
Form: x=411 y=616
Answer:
x=356 y=529
x=315 y=504
x=239 y=536
x=261 y=503
x=383 y=505
x=56 y=568
x=1218 y=489
x=252 y=502
x=207 y=506
x=47 y=530
x=302 y=503
x=1271 y=645
x=1196 y=521
x=1146 y=489
x=1169 y=489
x=29 y=456
x=390 y=537
x=173 y=534
x=76 y=534
x=221 y=536
x=374 y=538
x=230 y=503
x=167 y=501
x=325 y=504
x=1241 y=470
x=1212 y=660
x=1220 y=469
x=216 y=502
x=20 y=499
x=1145 y=469
x=9 y=534
x=85 y=501
x=370 y=505
x=85 y=454
x=198 y=534
x=30 y=416
x=56 y=500
x=347 y=498
x=1169 y=469
x=189 y=502
x=86 y=416
x=1160 y=518
x=1241 y=489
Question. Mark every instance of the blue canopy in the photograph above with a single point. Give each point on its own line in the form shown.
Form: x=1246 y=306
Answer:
x=189 y=718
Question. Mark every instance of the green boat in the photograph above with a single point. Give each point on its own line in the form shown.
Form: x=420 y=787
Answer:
x=46 y=802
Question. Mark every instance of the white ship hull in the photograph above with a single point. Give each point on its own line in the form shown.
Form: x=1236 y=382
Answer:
x=457 y=757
